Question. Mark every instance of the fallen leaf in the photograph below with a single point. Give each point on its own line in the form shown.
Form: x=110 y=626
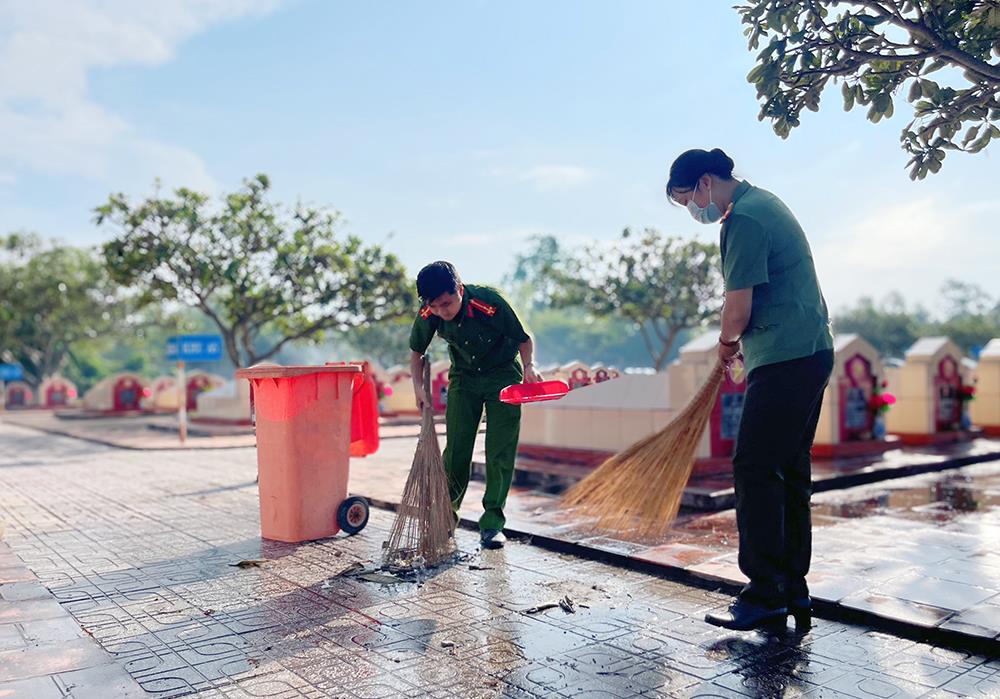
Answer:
x=475 y=567
x=380 y=578
x=567 y=605
x=352 y=569
x=249 y=563
x=541 y=608
x=447 y=644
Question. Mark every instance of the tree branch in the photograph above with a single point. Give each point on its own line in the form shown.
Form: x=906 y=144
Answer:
x=982 y=68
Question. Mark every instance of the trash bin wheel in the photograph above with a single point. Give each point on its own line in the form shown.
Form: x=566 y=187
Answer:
x=352 y=515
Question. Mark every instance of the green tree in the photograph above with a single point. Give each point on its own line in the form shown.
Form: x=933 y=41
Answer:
x=256 y=269
x=54 y=297
x=662 y=285
x=876 y=47
x=387 y=342
x=972 y=317
x=889 y=325
x=533 y=278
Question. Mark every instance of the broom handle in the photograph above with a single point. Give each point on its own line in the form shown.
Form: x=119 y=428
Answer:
x=427 y=383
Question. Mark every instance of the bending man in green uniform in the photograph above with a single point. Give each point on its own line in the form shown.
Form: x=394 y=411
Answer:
x=485 y=340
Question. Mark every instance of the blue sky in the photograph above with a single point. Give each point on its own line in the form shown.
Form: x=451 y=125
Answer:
x=458 y=129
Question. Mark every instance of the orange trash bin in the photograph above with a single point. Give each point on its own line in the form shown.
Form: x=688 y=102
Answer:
x=303 y=418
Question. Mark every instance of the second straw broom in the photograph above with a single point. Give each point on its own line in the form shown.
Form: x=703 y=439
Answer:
x=639 y=490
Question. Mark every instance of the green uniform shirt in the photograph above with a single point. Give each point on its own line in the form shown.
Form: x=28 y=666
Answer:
x=764 y=247
x=484 y=336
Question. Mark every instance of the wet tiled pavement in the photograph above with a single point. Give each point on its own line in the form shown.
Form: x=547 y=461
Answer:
x=140 y=550
x=920 y=550
x=713 y=489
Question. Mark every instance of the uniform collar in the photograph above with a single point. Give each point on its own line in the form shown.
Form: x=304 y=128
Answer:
x=464 y=312
x=741 y=189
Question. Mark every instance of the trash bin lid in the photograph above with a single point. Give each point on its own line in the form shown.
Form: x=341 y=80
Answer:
x=284 y=372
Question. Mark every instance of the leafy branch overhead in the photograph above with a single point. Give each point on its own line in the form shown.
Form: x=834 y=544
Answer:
x=878 y=49
x=252 y=266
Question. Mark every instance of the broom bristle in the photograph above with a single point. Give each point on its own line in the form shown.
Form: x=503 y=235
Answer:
x=639 y=490
x=422 y=533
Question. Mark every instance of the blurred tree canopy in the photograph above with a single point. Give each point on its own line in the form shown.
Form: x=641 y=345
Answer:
x=971 y=318
x=54 y=297
x=875 y=48
x=661 y=285
x=257 y=270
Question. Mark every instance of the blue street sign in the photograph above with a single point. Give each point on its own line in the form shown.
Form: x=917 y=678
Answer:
x=11 y=372
x=195 y=348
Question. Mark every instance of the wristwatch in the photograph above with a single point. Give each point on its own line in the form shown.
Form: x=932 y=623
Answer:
x=734 y=343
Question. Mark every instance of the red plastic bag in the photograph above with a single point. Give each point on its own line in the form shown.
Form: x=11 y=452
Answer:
x=364 y=412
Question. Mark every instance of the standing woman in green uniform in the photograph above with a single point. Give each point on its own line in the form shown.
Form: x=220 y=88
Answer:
x=488 y=346
x=775 y=313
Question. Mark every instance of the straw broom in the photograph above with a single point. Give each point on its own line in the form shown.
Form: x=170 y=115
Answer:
x=638 y=491
x=422 y=534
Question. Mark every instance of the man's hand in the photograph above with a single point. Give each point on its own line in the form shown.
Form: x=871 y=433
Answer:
x=421 y=396
x=726 y=353
x=530 y=375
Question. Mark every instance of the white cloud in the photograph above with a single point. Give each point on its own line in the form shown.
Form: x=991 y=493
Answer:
x=558 y=177
x=912 y=247
x=49 y=122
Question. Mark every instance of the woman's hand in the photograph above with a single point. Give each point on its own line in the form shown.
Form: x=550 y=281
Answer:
x=727 y=353
x=530 y=375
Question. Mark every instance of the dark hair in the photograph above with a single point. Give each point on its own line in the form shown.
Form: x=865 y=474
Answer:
x=692 y=164
x=437 y=278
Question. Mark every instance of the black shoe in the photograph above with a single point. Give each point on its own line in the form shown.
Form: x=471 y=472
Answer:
x=800 y=609
x=743 y=616
x=492 y=539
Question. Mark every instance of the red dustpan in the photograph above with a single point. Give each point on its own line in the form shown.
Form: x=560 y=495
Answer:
x=533 y=392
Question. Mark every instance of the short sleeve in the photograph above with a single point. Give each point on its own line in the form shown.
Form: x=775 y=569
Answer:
x=509 y=322
x=745 y=253
x=421 y=334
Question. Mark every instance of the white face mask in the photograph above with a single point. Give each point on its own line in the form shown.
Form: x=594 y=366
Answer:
x=704 y=214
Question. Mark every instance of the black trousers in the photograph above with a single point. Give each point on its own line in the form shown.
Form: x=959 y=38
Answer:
x=772 y=472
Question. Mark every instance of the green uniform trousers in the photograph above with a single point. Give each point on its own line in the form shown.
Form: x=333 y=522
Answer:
x=467 y=396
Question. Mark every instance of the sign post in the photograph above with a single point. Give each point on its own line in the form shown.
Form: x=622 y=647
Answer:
x=8 y=372
x=190 y=348
x=182 y=402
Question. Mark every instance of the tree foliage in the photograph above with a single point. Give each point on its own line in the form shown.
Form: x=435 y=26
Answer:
x=54 y=296
x=888 y=324
x=661 y=284
x=256 y=269
x=971 y=318
x=878 y=48
x=533 y=278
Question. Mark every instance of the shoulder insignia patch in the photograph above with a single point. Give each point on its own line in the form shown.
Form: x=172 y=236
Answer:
x=425 y=312
x=483 y=307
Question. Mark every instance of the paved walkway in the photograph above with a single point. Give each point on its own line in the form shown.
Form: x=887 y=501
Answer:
x=141 y=552
x=44 y=654
x=149 y=432
x=918 y=551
